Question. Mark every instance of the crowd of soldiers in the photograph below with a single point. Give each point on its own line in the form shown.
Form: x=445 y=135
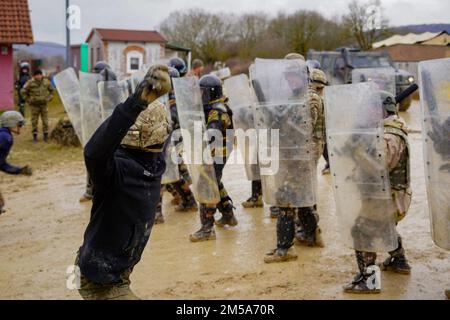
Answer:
x=141 y=119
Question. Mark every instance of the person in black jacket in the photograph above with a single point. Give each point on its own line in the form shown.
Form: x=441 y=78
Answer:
x=125 y=161
x=24 y=76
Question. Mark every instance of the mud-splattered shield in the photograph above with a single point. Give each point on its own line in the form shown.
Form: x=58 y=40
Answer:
x=68 y=87
x=383 y=77
x=289 y=179
x=193 y=125
x=364 y=206
x=241 y=100
x=435 y=101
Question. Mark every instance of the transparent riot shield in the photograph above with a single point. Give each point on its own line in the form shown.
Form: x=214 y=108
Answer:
x=285 y=132
x=111 y=94
x=242 y=103
x=68 y=87
x=364 y=205
x=435 y=101
x=91 y=116
x=193 y=127
x=383 y=77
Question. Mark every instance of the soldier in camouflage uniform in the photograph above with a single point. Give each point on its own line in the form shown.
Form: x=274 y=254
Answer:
x=38 y=92
x=308 y=231
x=218 y=117
x=398 y=164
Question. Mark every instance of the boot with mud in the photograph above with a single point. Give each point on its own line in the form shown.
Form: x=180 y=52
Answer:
x=256 y=200
x=188 y=202
x=46 y=137
x=285 y=237
x=309 y=233
x=207 y=231
x=397 y=261
x=176 y=197
x=228 y=217
x=447 y=293
x=280 y=255
x=359 y=283
x=35 y=138
x=114 y=292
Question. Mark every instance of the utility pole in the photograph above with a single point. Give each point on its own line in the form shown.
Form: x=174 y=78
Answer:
x=69 y=63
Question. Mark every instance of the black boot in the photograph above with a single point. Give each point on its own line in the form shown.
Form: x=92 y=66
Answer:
x=359 y=283
x=228 y=217
x=188 y=202
x=285 y=237
x=397 y=261
x=206 y=232
x=309 y=232
x=35 y=138
x=256 y=200
x=46 y=137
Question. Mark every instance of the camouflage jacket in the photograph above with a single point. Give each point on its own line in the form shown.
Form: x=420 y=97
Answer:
x=315 y=103
x=37 y=92
x=219 y=117
x=398 y=163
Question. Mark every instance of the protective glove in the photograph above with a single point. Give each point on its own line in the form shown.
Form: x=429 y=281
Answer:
x=26 y=171
x=156 y=83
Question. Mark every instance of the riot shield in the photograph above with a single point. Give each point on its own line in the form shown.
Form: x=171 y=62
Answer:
x=242 y=103
x=289 y=179
x=435 y=102
x=383 y=77
x=91 y=116
x=364 y=206
x=111 y=94
x=193 y=127
x=68 y=87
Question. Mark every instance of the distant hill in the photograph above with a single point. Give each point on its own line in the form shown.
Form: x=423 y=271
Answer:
x=421 y=28
x=42 y=49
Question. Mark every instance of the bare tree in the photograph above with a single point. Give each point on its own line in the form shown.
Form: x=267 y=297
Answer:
x=366 y=22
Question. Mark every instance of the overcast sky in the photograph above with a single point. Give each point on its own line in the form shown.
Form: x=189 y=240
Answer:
x=48 y=16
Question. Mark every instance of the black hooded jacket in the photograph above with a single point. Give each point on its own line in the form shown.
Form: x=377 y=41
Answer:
x=127 y=184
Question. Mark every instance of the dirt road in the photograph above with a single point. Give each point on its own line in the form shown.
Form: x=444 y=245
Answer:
x=44 y=225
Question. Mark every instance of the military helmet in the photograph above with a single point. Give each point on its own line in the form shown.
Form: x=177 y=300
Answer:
x=294 y=56
x=100 y=66
x=318 y=78
x=178 y=64
x=313 y=64
x=211 y=88
x=388 y=101
x=11 y=119
x=173 y=73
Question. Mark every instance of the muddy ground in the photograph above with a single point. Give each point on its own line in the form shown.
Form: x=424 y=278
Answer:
x=44 y=225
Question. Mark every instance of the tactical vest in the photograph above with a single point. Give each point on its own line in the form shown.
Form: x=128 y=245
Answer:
x=220 y=107
x=400 y=176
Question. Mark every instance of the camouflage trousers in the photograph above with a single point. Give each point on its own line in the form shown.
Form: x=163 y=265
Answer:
x=36 y=112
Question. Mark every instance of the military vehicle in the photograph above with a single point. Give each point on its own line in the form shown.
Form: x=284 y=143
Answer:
x=338 y=65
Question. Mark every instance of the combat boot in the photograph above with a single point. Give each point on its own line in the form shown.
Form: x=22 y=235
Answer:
x=207 y=231
x=118 y=292
x=274 y=212
x=176 y=197
x=309 y=232
x=256 y=200
x=35 y=138
x=228 y=217
x=359 y=283
x=187 y=204
x=46 y=137
x=397 y=261
x=279 y=255
x=447 y=293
